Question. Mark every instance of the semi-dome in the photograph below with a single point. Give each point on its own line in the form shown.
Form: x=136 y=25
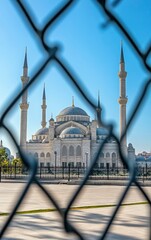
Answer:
x=71 y=132
x=42 y=131
x=73 y=111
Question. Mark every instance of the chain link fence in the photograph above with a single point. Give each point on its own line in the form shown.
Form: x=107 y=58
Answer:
x=53 y=55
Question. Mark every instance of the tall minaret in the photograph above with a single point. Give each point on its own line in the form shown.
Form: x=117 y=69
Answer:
x=122 y=99
x=24 y=105
x=43 y=107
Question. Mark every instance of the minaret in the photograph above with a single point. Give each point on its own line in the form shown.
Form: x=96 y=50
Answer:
x=43 y=107
x=122 y=99
x=24 y=105
x=99 y=110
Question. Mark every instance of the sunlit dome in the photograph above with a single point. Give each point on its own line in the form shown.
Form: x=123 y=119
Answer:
x=73 y=111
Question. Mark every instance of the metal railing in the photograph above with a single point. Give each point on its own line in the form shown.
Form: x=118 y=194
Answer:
x=74 y=173
x=53 y=55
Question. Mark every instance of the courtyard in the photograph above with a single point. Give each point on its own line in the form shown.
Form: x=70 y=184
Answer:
x=90 y=214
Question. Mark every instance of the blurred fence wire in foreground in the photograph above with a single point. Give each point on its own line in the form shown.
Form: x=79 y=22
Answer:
x=53 y=55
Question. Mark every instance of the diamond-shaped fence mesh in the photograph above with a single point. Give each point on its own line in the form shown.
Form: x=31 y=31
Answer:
x=53 y=55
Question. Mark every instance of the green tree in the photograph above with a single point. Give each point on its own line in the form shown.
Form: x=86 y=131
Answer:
x=18 y=162
x=3 y=156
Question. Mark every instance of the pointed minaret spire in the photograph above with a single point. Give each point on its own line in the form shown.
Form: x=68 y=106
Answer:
x=72 y=101
x=99 y=109
x=43 y=107
x=122 y=54
x=44 y=94
x=25 y=66
x=99 y=106
x=25 y=59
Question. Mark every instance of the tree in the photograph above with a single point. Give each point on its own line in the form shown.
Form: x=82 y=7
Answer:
x=3 y=156
x=18 y=162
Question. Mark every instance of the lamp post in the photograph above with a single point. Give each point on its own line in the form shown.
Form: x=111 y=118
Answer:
x=55 y=162
x=86 y=159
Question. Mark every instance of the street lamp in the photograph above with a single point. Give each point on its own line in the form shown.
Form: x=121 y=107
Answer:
x=55 y=162
x=86 y=159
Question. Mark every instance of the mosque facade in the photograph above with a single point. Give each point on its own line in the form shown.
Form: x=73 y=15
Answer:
x=73 y=138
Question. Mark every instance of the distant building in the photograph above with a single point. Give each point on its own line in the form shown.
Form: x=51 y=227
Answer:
x=7 y=150
x=73 y=138
x=143 y=159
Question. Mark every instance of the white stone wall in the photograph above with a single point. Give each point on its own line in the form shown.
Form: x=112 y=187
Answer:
x=108 y=151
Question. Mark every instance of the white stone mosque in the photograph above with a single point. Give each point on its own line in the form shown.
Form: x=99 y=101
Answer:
x=73 y=138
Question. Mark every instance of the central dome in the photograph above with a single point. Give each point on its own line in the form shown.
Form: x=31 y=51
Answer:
x=73 y=111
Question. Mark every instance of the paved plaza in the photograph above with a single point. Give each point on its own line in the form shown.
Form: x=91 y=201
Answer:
x=132 y=222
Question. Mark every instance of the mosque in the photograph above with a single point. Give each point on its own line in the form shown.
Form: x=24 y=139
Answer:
x=73 y=138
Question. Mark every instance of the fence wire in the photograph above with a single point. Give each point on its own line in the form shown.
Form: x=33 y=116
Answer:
x=54 y=56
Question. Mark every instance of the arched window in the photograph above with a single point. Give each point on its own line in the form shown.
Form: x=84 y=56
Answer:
x=36 y=155
x=48 y=155
x=102 y=155
x=42 y=154
x=107 y=155
x=64 y=151
x=71 y=151
x=113 y=155
x=78 y=151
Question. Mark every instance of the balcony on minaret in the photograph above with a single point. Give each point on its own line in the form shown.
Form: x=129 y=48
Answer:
x=123 y=100
x=24 y=106
x=122 y=74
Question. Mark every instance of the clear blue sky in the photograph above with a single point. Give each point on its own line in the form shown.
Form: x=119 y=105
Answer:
x=92 y=52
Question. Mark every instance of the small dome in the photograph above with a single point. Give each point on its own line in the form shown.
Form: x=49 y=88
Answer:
x=148 y=159
x=102 y=131
x=71 y=132
x=7 y=151
x=42 y=131
x=73 y=111
x=51 y=119
x=140 y=159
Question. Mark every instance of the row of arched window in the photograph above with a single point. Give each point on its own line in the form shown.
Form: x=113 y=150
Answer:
x=108 y=155
x=72 y=151
x=42 y=155
x=73 y=118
